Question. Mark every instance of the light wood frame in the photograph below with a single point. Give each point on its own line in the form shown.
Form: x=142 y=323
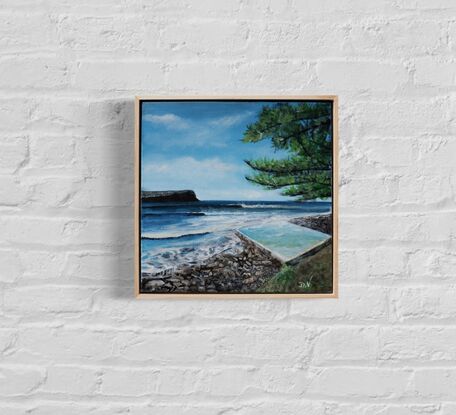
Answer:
x=137 y=201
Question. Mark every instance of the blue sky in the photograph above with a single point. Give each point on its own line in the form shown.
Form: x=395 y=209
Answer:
x=197 y=145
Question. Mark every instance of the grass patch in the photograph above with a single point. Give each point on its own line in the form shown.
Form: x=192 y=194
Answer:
x=313 y=275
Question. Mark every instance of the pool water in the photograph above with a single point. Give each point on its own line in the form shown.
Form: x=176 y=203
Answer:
x=285 y=239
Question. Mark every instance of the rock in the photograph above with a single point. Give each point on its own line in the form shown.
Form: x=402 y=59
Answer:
x=154 y=284
x=169 y=196
x=321 y=223
x=221 y=273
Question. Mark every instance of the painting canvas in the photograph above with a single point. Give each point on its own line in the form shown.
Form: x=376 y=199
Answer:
x=236 y=197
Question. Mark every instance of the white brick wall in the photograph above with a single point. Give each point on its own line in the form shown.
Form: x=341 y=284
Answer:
x=72 y=338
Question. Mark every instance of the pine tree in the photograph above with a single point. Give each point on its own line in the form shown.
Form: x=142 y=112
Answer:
x=305 y=131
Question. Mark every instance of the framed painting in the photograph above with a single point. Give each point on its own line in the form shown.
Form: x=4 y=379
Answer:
x=236 y=197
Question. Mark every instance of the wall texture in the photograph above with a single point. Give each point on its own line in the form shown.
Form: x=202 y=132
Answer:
x=72 y=338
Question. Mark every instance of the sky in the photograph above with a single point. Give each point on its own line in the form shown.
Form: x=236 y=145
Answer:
x=197 y=145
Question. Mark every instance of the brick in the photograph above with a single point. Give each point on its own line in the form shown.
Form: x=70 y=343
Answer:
x=67 y=345
x=75 y=407
x=174 y=346
x=371 y=198
x=19 y=380
x=434 y=72
x=192 y=76
x=231 y=381
x=51 y=152
x=435 y=383
x=432 y=150
x=70 y=380
x=262 y=344
x=12 y=191
x=452 y=36
x=191 y=40
x=448 y=408
x=35 y=73
x=353 y=265
x=416 y=228
x=48 y=299
x=115 y=33
x=400 y=153
x=124 y=308
x=434 y=264
x=15 y=114
x=11 y=268
x=417 y=344
x=347 y=344
x=401 y=117
x=60 y=117
x=363 y=303
x=103 y=192
x=115 y=75
x=56 y=192
x=424 y=303
x=282 y=380
x=63 y=231
x=439 y=5
x=362 y=76
x=14 y=154
x=108 y=161
x=42 y=264
x=7 y=339
x=27 y=31
x=387 y=262
x=392 y=37
x=93 y=265
x=128 y=382
x=364 y=383
x=178 y=382
x=427 y=190
x=288 y=39
x=344 y=9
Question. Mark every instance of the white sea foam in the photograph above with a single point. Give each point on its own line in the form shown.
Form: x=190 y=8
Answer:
x=179 y=239
x=153 y=261
x=172 y=235
x=262 y=206
x=215 y=223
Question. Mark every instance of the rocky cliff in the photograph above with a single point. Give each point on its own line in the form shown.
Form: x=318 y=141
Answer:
x=169 y=196
x=322 y=223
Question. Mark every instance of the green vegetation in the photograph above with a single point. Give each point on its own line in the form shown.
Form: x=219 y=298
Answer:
x=311 y=275
x=305 y=131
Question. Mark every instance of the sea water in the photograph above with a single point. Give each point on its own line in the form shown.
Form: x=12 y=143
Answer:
x=173 y=234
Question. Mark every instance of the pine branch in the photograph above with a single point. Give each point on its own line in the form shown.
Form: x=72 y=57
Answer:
x=284 y=166
x=278 y=182
x=305 y=131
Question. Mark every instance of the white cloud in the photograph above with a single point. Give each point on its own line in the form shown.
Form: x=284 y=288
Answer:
x=190 y=167
x=210 y=178
x=171 y=121
x=230 y=120
x=189 y=133
x=189 y=173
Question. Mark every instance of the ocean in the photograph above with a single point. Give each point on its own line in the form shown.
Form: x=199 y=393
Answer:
x=174 y=234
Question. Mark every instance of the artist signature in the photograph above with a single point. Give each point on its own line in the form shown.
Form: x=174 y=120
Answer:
x=306 y=284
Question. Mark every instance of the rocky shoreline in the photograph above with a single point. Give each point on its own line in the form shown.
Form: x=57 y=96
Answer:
x=222 y=273
x=244 y=272
x=321 y=223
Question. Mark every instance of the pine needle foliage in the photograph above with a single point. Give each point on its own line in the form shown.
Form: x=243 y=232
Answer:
x=303 y=129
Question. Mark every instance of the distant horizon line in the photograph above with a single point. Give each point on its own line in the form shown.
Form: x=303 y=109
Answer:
x=252 y=200
x=328 y=200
